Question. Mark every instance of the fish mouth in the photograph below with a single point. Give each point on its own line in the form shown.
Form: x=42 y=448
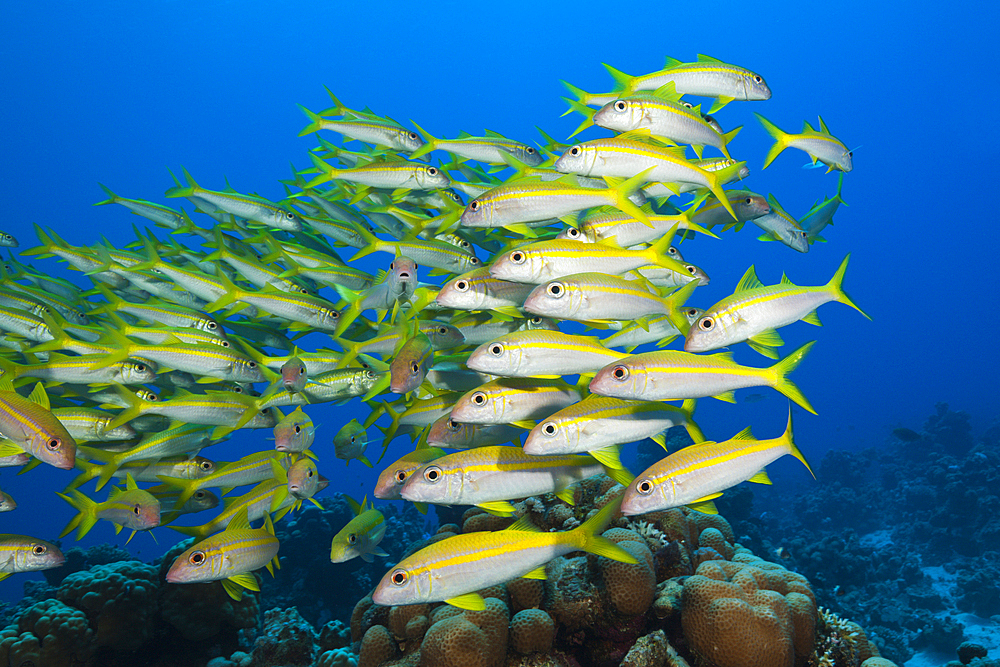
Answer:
x=404 y=275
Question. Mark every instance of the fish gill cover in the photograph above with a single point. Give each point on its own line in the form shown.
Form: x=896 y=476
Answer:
x=545 y=288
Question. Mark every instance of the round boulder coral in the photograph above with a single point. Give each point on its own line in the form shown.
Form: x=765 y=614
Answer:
x=532 y=631
x=119 y=599
x=631 y=587
x=748 y=614
x=48 y=633
x=469 y=639
x=377 y=646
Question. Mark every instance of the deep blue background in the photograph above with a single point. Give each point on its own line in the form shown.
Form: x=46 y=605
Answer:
x=105 y=92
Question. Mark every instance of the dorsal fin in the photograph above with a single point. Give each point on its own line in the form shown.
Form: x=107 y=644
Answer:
x=671 y=62
x=240 y=520
x=785 y=280
x=39 y=397
x=745 y=434
x=723 y=356
x=749 y=281
x=524 y=525
x=822 y=125
x=130 y=484
x=702 y=58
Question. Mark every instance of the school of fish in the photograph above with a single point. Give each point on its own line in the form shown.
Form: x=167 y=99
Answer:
x=498 y=337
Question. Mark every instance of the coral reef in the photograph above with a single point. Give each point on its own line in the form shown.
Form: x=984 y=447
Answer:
x=903 y=538
x=693 y=587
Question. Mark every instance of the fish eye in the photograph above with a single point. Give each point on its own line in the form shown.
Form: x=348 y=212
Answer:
x=688 y=105
x=573 y=232
x=529 y=150
x=442 y=330
x=140 y=368
x=302 y=371
x=135 y=510
x=211 y=325
x=549 y=428
x=536 y=320
x=474 y=205
x=312 y=472
x=672 y=251
x=252 y=364
x=496 y=349
x=370 y=375
x=757 y=78
x=237 y=389
x=289 y=216
x=151 y=397
x=432 y=171
x=453 y=426
x=707 y=118
x=619 y=372
x=413 y=135
x=53 y=444
x=414 y=367
x=644 y=487
x=479 y=398
x=620 y=106
x=39 y=549
x=399 y=577
x=850 y=153
x=462 y=286
x=400 y=476
x=517 y=257
x=352 y=538
x=224 y=343
x=392 y=265
x=575 y=151
x=199 y=495
x=555 y=289
x=690 y=269
x=432 y=474
x=748 y=200
x=473 y=260
x=197 y=558
x=298 y=429
x=206 y=465
x=706 y=324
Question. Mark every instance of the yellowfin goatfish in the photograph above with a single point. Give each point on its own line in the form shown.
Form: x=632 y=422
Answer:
x=20 y=553
x=252 y=208
x=488 y=150
x=534 y=353
x=667 y=375
x=231 y=556
x=599 y=297
x=512 y=400
x=294 y=375
x=625 y=155
x=488 y=477
x=7 y=503
x=410 y=364
x=391 y=480
x=454 y=568
x=294 y=433
x=778 y=225
x=598 y=424
x=350 y=443
x=446 y=432
x=704 y=470
x=546 y=260
x=129 y=508
x=707 y=77
x=361 y=535
x=31 y=427
x=818 y=144
x=754 y=312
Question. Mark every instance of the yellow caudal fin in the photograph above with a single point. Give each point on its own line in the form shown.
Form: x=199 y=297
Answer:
x=85 y=519
x=781 y=369
x=793 y=449
x=780 y=139
x=687 y=407
x=586 y=536
x=836 y=287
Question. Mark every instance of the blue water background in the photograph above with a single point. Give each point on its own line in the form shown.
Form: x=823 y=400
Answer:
x=111 y=93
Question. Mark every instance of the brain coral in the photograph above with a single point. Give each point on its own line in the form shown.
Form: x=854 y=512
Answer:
x=51 y=634
x=748 y=613
x=377 y=646
x=119 y=599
